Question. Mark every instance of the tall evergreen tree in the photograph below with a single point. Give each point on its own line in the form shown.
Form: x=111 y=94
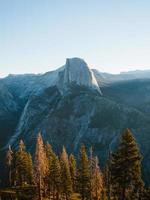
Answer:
x=96 y=181
x=84 y=181
x=145 y=195
x=49 y=152
x=49 y=155
x=9 y=160
x=55 y=176
x=23 y=165
x=65 y=174
x=126 y=168
x=73 y=171
x=64 y=156
x=107 y=178
x=92 y=165
x=40 y=165
x=29 y=168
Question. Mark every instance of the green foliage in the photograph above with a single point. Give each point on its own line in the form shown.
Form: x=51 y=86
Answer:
x=59 y=178
x=73 y=171
x=9 y=163
x=126 y=168
x=55 y=175
x=65 y=175
x=49 y=152
x=96 y=180
x=107 y=180
x=49 y=156
x=84 y=175
x=145 y=194
x=23 y=166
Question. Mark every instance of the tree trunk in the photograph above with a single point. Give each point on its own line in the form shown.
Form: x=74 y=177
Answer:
x=53 y=192
x=49 y=191
x=123 y=193
x=57 y=195
x=40 y=193
x=10 y=176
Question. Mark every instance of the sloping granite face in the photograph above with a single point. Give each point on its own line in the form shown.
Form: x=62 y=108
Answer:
x=9 y=114
x=77 y=71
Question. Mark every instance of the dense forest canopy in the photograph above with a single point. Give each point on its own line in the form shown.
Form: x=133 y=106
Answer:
x=46 y=175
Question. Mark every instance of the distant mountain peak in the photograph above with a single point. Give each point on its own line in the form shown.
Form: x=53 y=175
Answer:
x=77 y=71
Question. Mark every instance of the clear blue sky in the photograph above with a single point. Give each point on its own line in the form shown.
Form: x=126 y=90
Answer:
x=37 y=35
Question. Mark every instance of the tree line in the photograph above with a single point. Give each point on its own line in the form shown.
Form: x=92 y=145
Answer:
x=65 y=177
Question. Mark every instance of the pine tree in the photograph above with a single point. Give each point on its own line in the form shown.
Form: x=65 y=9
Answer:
x=49 y=155
x=23 y=165
x=107 y=178
x=55 y=176
x=40 y=165
x=64 y=156
x=84 y=175
x=29 y=169
x=73 y=171
x=145 y=195
x=92 y=163
x=9 y=160
x=126 y=168
x=65 y=174
x=96 y=181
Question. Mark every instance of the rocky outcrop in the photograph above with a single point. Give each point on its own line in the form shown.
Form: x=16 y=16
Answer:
x=77 y=71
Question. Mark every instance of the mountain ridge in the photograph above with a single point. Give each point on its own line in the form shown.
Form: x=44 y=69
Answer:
x=82 y=115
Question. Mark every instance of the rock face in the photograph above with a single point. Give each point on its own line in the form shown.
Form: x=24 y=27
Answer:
x=76 y=71
x=67 y=106
x=9 y=114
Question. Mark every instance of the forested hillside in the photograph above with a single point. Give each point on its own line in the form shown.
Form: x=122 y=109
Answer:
x=45 y=175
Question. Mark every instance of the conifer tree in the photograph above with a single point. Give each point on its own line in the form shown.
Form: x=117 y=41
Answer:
x=84 y=175
x=49 y=152
x=65 y=174
x=29 y=168
x=55 y=176
x=126 y=168
x=64 y=156
x=96 y=181
x=145 y=195
x=49 y=155
x=73 y=171
x=40 y=165
x=92 y=163
x=107 y=178
x=23 y=165
x=9 y=160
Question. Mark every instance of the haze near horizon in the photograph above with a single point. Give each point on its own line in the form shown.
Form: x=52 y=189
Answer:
x=37 y=36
